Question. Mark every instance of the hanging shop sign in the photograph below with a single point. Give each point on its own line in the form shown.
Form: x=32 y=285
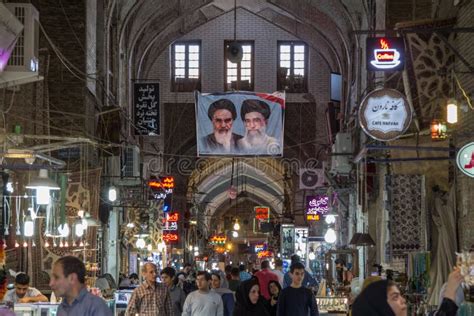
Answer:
x=465 y=159
x=146 y=105
x=385 y=114
x=170 y=227
x=262 y=213
x=265 y=254
x=161 y=188
x=170 y=238
x=316 y=206
x=218 y=240
x=385 y=53
x=301 y=241
x=287 y=240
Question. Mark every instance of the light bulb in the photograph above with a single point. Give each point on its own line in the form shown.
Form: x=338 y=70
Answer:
x=330 y=236
x=452 y=110
x=149 y=247
x=330 y=219
x=81 y=244
x=10 y=187
x=61 y=244
x=196 y=248
x=196 y=253
x=79 y=229
x=112 y=194
x=140 y=243
x=46 y=244
x=236 y=226
x=311 y=256
x=25 y=244
x=17 y=244
x=42 y=196
x=190 y=247
x=235 y=234
x=66 y=244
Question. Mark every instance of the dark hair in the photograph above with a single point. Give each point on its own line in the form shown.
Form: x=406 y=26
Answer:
x=265 y=264
x=277 y=285
x=22 y=278
x=235 y=271
x=206 y=274
x=187 y=265
x=222 y=104
x=228 y=268
x=295 y=266
x=71 y=264
x=242 y=267
x=169 y=271
x=216 y=274
x=254 y=105
x=278 y=263
x=295 y=258
x=340 y=261
x=133 y=276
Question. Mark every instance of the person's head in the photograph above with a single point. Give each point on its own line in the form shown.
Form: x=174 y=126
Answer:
x=216 y=280
x=235 y=273
x=22 y=283
x=255 y=114
x=241 y=267
x=278 y=264
x=265 y=264
x=251 y=266
x=228 y=269
x=295 y=258
x=297 y=273
x=167 y=276
x=187 y=268
x=134 y=277
x=248 y=292
x=203 y=280
x=68 y=275
x=380 y=298
x=222 y=114
x=340 y=263
x=274 y=288
x=149 y=272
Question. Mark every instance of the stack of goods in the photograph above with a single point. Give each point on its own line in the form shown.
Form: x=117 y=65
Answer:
x=419 y=264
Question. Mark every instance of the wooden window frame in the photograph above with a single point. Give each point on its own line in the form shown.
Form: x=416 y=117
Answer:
x=188 y=84
x=280 y=84
x=252 y=65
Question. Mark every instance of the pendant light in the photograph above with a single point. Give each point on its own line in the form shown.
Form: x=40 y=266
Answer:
x=42 y=184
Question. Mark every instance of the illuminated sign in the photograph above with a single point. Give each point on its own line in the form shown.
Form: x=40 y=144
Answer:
x=260 y=247
x=218 y=240
x=265 y=254
x=170 y=237
x=162 y=189
x=316 y=206
x=262 y=212
x=465 y=159
x=170 y=227
x=163 y=183
x=385 y=53
x=385 y=114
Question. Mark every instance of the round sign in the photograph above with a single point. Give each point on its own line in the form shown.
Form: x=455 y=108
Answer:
x=465 y=159
x=385 y=114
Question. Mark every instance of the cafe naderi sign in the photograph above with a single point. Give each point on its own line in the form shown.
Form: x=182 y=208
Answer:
x=385 y=114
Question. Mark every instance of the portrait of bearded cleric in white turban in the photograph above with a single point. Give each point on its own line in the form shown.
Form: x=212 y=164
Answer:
x=254 y=114
x=222 y=114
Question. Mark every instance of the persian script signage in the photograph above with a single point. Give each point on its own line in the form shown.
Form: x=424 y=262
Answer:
x=146 y=104
x=385 y=114
x=385 y=53
x=316 y=206
x=465 y=160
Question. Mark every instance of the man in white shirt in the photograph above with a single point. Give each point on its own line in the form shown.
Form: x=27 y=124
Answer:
x=279 y=271
x=23 y=293
x=203 y=302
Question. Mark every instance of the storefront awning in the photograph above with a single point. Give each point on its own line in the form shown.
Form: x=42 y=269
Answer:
x=16 y=78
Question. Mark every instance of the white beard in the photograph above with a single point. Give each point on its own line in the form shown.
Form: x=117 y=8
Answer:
x=257 y=138
x=224 y=138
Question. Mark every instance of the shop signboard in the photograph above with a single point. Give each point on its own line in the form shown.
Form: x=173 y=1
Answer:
x=316 y=206
x=262 y=213
x=385 y=53
x=301 y=241
x=146 y=105
x=287 y=240
x=465 y=159
x=385 y=114
x=170 y=227
x=161 y=188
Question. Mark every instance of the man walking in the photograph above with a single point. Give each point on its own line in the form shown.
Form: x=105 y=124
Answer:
x=297 y=300
x=264 y=276
x=203 y=302
x=150 y=298
x=67 y=281
x=176 y=293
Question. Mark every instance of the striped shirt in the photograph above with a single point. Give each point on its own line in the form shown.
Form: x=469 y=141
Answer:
x=147 y=300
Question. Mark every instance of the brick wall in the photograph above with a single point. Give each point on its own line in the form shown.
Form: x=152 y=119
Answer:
x=464 y=132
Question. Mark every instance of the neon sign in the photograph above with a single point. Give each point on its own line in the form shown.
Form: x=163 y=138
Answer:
x=170 y=237
x=260 y=247
x=163 y=183
x=262 y=213
x=316 y=206
x=218 y=240
x=265 y=254
x=385 y=53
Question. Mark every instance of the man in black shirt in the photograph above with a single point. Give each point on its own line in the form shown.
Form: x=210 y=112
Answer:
x=297 y=300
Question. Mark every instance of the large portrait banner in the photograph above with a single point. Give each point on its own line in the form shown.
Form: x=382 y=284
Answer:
x=240 y=124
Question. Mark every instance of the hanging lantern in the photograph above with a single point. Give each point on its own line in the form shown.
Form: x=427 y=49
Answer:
x=452 y=109
x=42 y=184
x=28 y=227
x=438 y=130
x=330 y=236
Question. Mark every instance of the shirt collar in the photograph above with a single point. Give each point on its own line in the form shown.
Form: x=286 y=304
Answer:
x=78 y=298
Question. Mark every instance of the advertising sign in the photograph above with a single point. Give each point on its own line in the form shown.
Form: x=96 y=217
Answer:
x=316 y=206
x=262 y=213
x=385 y=53
x=146 y=105
x=170 y=227
x=240 y=124
x=465 y=159
x=385 y=114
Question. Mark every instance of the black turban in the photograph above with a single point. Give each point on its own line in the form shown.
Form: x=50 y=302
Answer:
x=222 y=104
x=254 y=105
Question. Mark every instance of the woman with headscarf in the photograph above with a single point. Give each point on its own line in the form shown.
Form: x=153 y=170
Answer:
x=226 y=294
x=381 y=298
x=248 y=300
x=274 y=288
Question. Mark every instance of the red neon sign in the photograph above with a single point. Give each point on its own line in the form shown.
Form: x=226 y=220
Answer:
x=262 y=213
x=163 y=183
x=218 y=240
x=170 y=237
x=264 y=254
